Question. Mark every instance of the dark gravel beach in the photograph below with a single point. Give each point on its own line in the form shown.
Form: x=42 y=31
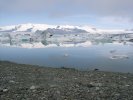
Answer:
x=28 y=82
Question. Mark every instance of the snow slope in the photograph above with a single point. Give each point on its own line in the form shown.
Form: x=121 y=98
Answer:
x=34 y=27
x=26 y=27
x=68 y=28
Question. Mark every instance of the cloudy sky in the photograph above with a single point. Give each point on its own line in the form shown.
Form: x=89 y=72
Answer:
x=98 y=13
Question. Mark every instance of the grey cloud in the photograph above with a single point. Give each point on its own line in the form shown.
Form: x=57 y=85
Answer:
x=63 y=8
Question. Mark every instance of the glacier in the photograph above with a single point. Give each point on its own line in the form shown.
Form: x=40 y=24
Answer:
x=43 y=36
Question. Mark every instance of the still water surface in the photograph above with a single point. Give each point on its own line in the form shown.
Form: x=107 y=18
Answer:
x=106 y=57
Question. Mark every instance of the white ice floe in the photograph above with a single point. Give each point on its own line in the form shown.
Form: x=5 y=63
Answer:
x=33 y=45
x=117 y=43
x=66 y=45
x=119 y=57
x=5 y=45
x=66 y=55
x=85 y=44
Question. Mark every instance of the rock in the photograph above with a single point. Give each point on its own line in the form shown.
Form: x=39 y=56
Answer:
x=117 y=94
x=112 y=51
x=96 y=69
x=32 y=87
x=90 y=85
x=97 y=88
x=98 y=84
x=124 y=77
x=5 y=90
x=11 y=81
x=131 y=40
x=58 y=92
x=38 y=83
x=127 y=85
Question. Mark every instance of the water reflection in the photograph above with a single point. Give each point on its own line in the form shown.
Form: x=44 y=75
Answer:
x=109 y=56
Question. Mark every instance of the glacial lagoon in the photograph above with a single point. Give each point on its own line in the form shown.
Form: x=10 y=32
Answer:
x=116 y=57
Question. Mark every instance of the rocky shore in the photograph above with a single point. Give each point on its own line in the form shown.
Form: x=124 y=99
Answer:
x=28 y=82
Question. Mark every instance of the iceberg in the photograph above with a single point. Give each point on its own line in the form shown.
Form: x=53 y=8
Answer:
x=85 y=44
x=119 y=57
x=33 y=45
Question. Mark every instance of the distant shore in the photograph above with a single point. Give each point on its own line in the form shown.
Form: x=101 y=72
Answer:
x=32 y=82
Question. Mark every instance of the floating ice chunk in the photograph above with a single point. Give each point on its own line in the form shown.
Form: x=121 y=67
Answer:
x=33 y=45
x=26 y=45
x=66 y=55
x=67 y=45
x=51 y=45
x=119 y=57
x=38 y=45
x=7 y=45
x=117 y=43
x=85 y=44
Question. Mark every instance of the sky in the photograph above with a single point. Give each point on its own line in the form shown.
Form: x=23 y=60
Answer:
x=99 y=13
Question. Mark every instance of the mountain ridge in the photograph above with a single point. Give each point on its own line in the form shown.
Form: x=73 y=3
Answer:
x=41 y=27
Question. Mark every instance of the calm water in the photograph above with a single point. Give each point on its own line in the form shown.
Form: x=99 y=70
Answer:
x=95 y=56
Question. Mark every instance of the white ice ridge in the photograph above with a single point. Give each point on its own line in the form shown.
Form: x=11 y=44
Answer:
x=35 y=27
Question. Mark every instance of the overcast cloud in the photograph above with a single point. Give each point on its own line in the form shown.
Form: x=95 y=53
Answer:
x=114 y=9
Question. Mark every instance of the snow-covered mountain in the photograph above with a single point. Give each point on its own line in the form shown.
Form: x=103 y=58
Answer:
x=67 y=28
x=42 y=27
x=26 y=27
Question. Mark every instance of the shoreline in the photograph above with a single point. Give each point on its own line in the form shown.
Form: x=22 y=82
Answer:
x=32 y=82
